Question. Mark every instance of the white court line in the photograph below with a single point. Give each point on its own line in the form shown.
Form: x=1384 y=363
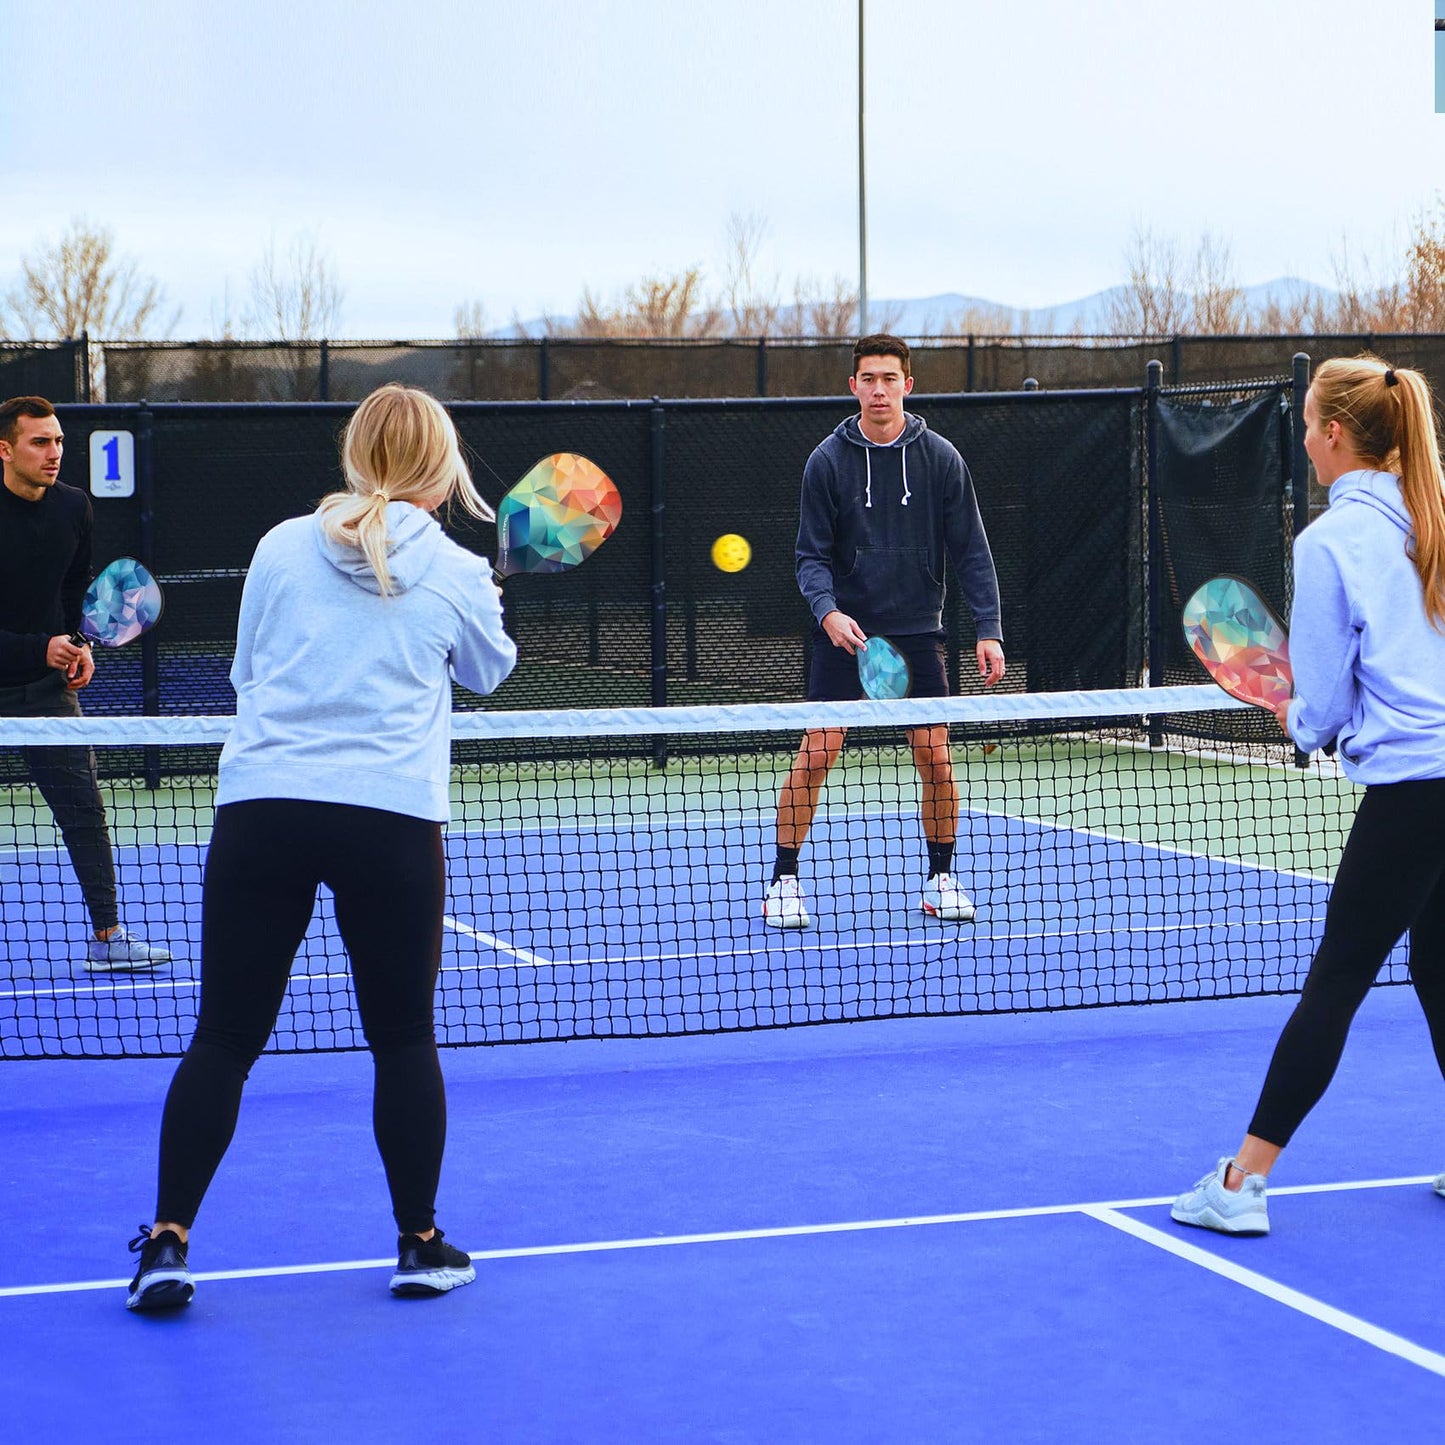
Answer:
x=788 y=1231
x=535 y=960
x=1349 y=1324
x=769 y=948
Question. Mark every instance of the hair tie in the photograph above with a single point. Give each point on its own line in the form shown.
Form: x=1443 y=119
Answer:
x=381 y=491
x=1390 y=378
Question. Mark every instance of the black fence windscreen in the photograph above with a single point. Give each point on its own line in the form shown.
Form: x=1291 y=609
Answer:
x=569 y=368
x=1220 y=489
x=1061 y=481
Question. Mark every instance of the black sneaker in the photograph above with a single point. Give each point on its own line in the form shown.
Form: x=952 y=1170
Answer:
x=162 y=1279
x=429 y=1266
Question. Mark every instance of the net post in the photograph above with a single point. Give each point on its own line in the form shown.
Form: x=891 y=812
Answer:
x=1299 y=472
x=1154 y=582
x=150 y=671
x=657 y=431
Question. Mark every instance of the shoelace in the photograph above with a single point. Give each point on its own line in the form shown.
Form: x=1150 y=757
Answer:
x=141 y=1240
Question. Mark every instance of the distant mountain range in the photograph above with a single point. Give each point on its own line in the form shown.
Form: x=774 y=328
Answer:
x=930 y=315
x=953 y=312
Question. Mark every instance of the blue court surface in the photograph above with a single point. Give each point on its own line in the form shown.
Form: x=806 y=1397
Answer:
x=914 y=1230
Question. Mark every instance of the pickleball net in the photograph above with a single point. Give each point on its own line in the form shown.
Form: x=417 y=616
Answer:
x=607 y=867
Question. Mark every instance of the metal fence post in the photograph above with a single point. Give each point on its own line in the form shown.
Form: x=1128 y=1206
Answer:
x=762 y=366
x=82 y=367
x=1154 y=575
x=323 y=373
x=150 y=671
x=657 y=428
x=1299 y=462
x=544 y=370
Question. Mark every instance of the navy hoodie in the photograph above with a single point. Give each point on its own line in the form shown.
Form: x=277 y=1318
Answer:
x=875 y=524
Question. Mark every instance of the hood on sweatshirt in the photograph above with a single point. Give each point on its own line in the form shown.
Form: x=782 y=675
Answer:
x=412 y=539
x=1377 y=490
x=851 y=431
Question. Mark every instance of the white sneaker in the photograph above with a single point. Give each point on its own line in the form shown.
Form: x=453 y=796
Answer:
x=124 y=952
x=943 y=898
x=783 y=904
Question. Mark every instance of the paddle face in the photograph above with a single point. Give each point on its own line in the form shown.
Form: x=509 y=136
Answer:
x=1232 y=630
x=884 y=671
x=122 y=602
x=556 y=517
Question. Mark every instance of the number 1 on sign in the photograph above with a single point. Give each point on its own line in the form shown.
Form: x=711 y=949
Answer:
x=112 y=464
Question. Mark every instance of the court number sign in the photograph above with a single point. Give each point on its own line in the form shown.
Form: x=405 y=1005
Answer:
x=112 y=464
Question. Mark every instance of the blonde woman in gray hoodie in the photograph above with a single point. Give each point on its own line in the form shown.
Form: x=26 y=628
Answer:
x=354 y=623
x=1367 y=645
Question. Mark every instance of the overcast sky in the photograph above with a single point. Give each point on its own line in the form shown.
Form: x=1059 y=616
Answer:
x=446 y=152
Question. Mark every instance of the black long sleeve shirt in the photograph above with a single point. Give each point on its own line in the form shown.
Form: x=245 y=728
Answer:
x=45 y=565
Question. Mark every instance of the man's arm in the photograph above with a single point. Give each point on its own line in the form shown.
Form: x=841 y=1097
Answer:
x=817 y=528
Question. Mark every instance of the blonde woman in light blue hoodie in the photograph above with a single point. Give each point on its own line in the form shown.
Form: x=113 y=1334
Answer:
x=1367 y=645
x=354 y=623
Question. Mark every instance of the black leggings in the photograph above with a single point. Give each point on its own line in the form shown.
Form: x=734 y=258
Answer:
x=388 y=875
x=1391 y=878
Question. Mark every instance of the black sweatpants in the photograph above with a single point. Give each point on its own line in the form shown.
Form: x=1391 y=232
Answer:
x=1391 y=878
x=388 y=876
x=66 y=778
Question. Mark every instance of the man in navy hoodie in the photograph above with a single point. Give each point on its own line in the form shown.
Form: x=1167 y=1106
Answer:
x=884 y=501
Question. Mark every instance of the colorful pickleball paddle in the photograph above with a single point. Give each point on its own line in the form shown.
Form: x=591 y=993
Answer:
x=884 y=671
x=123 y=602
x=1244 y=647
x=556 y=517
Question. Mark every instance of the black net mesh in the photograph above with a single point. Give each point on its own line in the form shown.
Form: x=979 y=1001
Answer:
x=1107 y=858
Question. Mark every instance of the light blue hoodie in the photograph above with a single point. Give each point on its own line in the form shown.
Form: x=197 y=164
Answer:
x=1369 y=669
x=343 y=695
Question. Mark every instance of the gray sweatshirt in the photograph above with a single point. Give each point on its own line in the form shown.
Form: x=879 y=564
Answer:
x=343 y=695
x=1369 y=667
x=875 y=524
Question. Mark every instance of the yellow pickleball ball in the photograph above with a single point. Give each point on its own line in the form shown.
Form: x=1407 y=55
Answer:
x=731 y=553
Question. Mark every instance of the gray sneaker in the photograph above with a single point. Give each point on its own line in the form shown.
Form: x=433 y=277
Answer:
x=1209 y=1205
x=123 y=952
x=1440 y=1185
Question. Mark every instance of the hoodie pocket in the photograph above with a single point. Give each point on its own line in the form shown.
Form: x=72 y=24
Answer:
x=879 y=573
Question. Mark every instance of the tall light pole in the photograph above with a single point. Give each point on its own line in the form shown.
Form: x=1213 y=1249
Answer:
x=862 y=195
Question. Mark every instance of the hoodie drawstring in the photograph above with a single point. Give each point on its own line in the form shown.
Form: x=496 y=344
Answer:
x=868 y=483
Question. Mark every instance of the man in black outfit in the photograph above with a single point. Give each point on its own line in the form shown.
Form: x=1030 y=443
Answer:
x=45 y=562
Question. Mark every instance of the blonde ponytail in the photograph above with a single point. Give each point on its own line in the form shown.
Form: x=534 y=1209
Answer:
x=399 y=446
x=1388 y=417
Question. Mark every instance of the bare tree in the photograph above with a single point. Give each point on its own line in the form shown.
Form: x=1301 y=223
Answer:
x=1216 y=299
x=470 y=319
x=978 y=321
x=1424 y=284
x=295 y=295
x=1152 y=302
x=1363 y=302
x=752 y=309
x=79 y=284
x=655 y=306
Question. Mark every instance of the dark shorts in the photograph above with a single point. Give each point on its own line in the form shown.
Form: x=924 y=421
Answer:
x=834 y=674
